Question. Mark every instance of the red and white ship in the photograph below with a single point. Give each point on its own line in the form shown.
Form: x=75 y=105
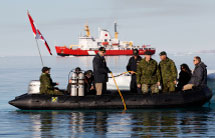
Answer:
x=89 y=45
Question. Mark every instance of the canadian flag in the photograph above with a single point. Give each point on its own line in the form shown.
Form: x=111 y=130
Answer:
x=37 y=33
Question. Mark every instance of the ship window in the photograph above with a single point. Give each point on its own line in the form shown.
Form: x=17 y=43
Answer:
x=105 y=40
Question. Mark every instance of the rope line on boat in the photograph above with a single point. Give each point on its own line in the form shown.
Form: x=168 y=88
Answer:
x=123 y=101
x=123 y=74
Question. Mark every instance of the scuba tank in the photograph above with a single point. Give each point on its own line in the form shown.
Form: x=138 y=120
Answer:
x=74 y=90
x=77 y=83
x=81 y=84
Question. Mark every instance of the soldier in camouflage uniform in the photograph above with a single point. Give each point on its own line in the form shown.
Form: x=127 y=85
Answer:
x=168 y=73
x=46 y=84
x=148 y=74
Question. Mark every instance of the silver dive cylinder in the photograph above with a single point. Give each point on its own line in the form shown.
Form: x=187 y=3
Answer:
x=34 y=87
x=74 y=88
x=81 y=84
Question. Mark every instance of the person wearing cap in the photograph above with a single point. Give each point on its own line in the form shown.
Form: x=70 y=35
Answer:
x=132 y=68
x=46 y=83
x=101 y=71
x=89 y=82
x=168 y=73
x=148 y=74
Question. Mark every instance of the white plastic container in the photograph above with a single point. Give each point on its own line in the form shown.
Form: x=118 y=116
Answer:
x=34 y=87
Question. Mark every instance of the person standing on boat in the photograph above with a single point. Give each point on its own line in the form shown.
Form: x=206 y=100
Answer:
x=148 y=74
x=101 y=71
x=168 y=73
x=199 y=76
x=132 y=68
x=46 y=83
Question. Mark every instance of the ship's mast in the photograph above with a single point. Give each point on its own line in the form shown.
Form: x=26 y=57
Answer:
x=87 y=30
x=115 y=30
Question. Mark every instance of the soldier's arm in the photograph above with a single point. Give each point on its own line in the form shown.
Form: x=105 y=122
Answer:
x=47 y=82
x=139 y=73
x=158 y=73
x=174 y=71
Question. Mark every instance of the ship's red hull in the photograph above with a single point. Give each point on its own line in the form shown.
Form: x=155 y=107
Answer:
x=64 y=51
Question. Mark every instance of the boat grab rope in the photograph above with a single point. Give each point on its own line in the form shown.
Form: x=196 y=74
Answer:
x=123 y=74
x=123 y=101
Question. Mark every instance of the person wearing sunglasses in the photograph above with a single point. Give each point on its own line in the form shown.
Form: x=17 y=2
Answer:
x=101 y=71
x=199 y=76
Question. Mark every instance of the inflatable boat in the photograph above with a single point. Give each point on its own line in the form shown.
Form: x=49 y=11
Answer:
x=190 y=98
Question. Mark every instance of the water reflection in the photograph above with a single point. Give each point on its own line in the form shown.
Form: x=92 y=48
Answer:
x=133 y=123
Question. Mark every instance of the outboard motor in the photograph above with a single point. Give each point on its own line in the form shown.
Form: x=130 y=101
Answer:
x=34 y=87
x=81 y=84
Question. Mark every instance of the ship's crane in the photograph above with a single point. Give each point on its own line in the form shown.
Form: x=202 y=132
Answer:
x=87 y=30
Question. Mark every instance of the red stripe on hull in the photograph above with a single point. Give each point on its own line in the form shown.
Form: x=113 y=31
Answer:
x=64 y=51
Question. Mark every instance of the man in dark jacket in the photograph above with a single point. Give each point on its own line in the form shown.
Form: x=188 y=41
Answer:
x=101 y=71
x=46 y=83
x=132 y=68
x=199 y=77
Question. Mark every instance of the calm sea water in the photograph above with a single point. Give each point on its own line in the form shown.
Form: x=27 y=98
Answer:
x=16 y=72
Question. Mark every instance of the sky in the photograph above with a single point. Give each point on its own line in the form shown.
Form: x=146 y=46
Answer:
x=175 y=26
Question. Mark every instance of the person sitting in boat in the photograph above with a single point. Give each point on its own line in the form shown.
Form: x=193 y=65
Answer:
x=168 y=73
x=89 y=82
x=132 y=68
x=148 y=74
x=199 y=76
x=46 y=83
x=184 y=76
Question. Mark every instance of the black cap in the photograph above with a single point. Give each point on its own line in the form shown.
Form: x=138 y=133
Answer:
x=102 y=49
x=90 y=72
x=44 y=69
x=135 y=52
x=147 y=53
x=162 y=53
x=78 y=69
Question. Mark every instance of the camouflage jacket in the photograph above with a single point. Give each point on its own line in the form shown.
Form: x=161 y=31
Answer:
x=168 y=70
x=46 y=84
x=148 y=72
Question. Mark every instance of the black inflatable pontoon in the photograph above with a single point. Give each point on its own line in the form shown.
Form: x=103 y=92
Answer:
x=191 y=98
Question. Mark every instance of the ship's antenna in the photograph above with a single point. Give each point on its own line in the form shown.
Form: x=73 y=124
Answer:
x=115 y=30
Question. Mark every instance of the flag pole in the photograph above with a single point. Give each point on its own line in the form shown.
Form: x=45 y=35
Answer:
x=39 y=53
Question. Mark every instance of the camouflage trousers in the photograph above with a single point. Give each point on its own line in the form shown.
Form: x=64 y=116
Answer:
x=168 y=87
x=53 y=92
x=145 y=88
